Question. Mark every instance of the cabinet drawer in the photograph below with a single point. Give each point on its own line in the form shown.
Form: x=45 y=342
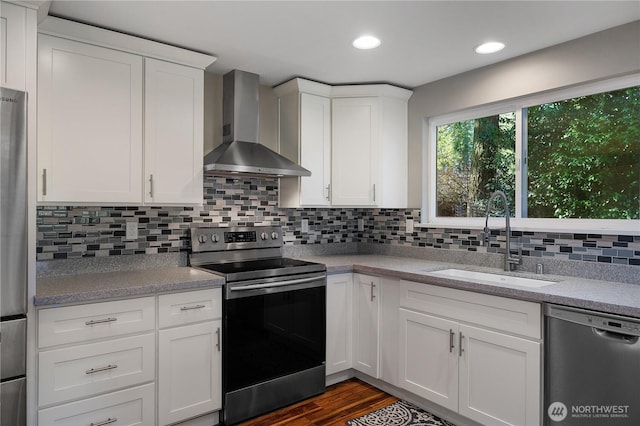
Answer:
x=189 y=307
x=500 y=313
x=85 y=370
x=79 y=323
x=127 y=407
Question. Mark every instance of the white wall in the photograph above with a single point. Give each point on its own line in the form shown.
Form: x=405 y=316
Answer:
x=609 y=53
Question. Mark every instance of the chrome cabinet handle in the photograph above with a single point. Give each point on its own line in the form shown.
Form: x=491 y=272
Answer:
x=218 y=339
x=99 y=369
x=329 y=192
x=460 y=343
x=451 y=337
x=373 y=296
x=100 y=321
x=104 y=422
x=374 y=192
x=44 y=181
x=189 y=308
x=151 y=185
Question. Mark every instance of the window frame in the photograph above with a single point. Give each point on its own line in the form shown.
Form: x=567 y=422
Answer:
x=519 y=107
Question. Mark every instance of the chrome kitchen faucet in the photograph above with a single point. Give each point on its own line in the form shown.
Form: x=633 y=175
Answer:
x=509 y=261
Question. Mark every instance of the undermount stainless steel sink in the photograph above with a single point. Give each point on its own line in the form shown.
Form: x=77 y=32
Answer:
x=488 y=278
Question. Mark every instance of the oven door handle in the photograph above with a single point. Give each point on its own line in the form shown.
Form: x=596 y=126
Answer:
x=275 y=284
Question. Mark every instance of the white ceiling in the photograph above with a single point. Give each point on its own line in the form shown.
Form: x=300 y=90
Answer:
x=422 y=41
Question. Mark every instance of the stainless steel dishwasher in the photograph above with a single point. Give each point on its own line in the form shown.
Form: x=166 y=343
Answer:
x=592 y=368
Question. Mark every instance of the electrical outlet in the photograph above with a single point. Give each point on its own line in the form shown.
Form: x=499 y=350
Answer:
x=132 y=231
x=360 y=224
x=304 y=227
x=409 y=226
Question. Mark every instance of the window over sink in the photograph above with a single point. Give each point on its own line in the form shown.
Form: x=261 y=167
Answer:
x=566 y=160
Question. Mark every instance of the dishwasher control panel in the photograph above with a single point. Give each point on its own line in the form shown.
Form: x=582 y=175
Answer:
x=602 y=321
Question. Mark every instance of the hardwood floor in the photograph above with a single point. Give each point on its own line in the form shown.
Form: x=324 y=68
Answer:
x=341 y=402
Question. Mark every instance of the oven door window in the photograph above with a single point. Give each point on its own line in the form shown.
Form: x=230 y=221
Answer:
x=273 y=335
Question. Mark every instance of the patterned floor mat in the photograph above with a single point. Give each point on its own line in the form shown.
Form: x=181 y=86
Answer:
x=400 y=413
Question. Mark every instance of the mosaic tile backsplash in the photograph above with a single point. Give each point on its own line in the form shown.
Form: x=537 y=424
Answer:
x=66 y=232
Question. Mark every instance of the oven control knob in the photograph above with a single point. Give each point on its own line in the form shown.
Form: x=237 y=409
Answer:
x=202 y=238
x=214 y=238
x=274 y=235
x=263 y=236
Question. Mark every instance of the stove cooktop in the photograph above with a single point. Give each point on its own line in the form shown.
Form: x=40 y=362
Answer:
x=245 y=253
x=256 y=265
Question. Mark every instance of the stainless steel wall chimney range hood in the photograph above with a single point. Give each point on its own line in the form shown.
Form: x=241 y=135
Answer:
x=240 y=153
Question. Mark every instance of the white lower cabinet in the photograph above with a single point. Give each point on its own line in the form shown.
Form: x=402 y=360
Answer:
x=84 y=370
x=429 y=358
x=129 y=407
x=486 y=375
x=499 y=378
x=97 y=362
x=366 y=315
x=189 y=358
x=339 y=313
x=389 y=326
x=92 y=321
x=189 y=381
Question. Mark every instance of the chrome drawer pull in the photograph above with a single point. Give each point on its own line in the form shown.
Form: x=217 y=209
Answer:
x=451 y=336
x=460 y=343
x=99 y=369
x=100 y=321
x=104 y=422
x=189 y=308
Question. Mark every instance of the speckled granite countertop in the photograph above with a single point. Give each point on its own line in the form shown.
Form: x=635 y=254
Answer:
x=604 y=296
x=63 y=289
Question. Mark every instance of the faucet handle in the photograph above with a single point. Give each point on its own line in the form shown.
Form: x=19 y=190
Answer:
x=517 y=259
x=486 y=236
x=510 y=261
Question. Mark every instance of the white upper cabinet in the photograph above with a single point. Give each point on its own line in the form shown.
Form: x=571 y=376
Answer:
x=304 y=114
x=89 y=123
x=16 y=25
x=173 y=133
x=369 y=146
x=114 y=125
x=356 y=149
x=353 y=139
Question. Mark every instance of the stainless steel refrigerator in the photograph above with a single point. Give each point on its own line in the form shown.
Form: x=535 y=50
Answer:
x=13 y=256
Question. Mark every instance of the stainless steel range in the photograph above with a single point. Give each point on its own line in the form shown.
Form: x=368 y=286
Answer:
x=274 y=311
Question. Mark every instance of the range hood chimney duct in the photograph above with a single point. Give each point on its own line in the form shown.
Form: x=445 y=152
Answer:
x=240 y=152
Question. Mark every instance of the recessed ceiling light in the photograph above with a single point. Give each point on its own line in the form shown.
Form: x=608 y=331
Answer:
x=490 y=47
x=366 y=42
